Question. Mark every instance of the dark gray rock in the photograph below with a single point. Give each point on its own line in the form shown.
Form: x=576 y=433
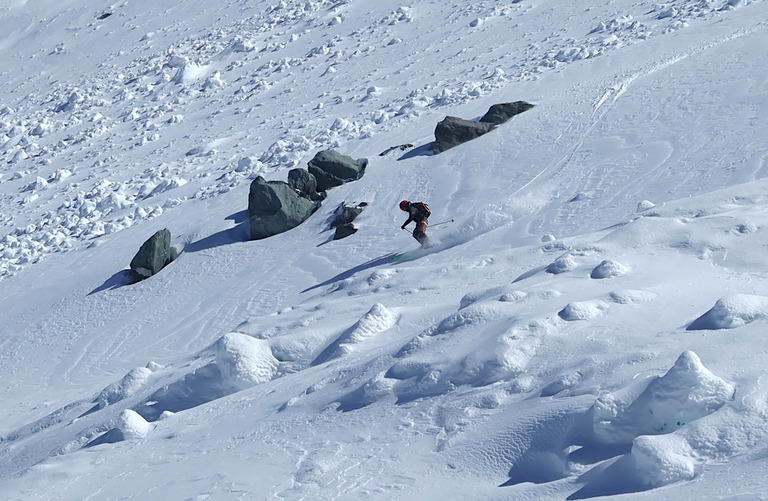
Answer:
x=331 y=169
x=275 y=207
x=500 y=113
x=303 y=182
x=344 y=231
x=154 y=254
x=453 y=131
x=347 y=213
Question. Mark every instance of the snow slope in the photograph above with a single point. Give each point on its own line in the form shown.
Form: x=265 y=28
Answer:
x=590 y=324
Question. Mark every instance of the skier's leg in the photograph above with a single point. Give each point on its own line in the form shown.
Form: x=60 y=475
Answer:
x=420 y=233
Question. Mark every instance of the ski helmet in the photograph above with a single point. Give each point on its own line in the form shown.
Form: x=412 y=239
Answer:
x=404 y=205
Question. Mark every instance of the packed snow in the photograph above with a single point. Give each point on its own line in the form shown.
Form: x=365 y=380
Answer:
x=587 y=322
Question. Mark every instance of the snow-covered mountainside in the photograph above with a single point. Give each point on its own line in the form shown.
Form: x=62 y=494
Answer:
x=587 y=323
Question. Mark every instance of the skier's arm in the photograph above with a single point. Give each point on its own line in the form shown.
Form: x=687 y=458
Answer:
x=407 y=222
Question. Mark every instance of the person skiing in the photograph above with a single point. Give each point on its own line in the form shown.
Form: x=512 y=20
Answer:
x=418 y=212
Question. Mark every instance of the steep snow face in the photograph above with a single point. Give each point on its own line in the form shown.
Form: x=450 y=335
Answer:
x=589 y=320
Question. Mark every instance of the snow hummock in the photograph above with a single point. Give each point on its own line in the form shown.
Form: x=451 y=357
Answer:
x=244 y=361
x=732 y=311
x=581 y=248
x=687 y=392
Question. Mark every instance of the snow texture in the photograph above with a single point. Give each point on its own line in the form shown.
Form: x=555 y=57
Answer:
x=588 y=323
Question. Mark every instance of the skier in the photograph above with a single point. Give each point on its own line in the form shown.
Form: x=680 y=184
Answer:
x=418 y=212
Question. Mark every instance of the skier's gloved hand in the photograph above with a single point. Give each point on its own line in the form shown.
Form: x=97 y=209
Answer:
x=402 y=227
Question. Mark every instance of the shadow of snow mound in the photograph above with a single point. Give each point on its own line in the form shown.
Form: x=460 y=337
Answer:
x=732 y=311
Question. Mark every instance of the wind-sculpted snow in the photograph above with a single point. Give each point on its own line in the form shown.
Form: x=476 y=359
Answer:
x=126 y=387
x=578 y=251
x=687 y=392
x=377 y=320
x=731 y=312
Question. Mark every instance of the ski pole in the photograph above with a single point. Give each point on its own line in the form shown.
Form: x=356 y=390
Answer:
x=438 y=224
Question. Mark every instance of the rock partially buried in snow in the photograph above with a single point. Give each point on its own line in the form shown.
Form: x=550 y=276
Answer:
x=275 y=207
x=304 y=183
x=645 y=205
x=154 y=255
x=687 y=392
x=453 y=131
x=732 y=311
x=500 y=113
x=244 y=361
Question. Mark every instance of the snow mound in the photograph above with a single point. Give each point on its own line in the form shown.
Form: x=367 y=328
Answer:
x=377 y=320
x=732 y=311
x=687 y=392
x=631 y=296
x=501 y=359
x=583 y=310
x=127 y=386
x=562 y=265
x=132 y=425
x=609 y=269
x=244 y=361
x=661 y=460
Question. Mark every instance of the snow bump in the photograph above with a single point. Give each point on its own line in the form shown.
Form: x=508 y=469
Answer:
x=732 y=311
x=244 y=361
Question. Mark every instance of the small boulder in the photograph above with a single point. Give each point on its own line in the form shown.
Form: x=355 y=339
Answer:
x=453 y=131
x=347 y=213
x=304 y=183
x=274 y=207
x=344 y=215
x=500 y=113
x=344 y=231
x=154 y=254
x=331 y=169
